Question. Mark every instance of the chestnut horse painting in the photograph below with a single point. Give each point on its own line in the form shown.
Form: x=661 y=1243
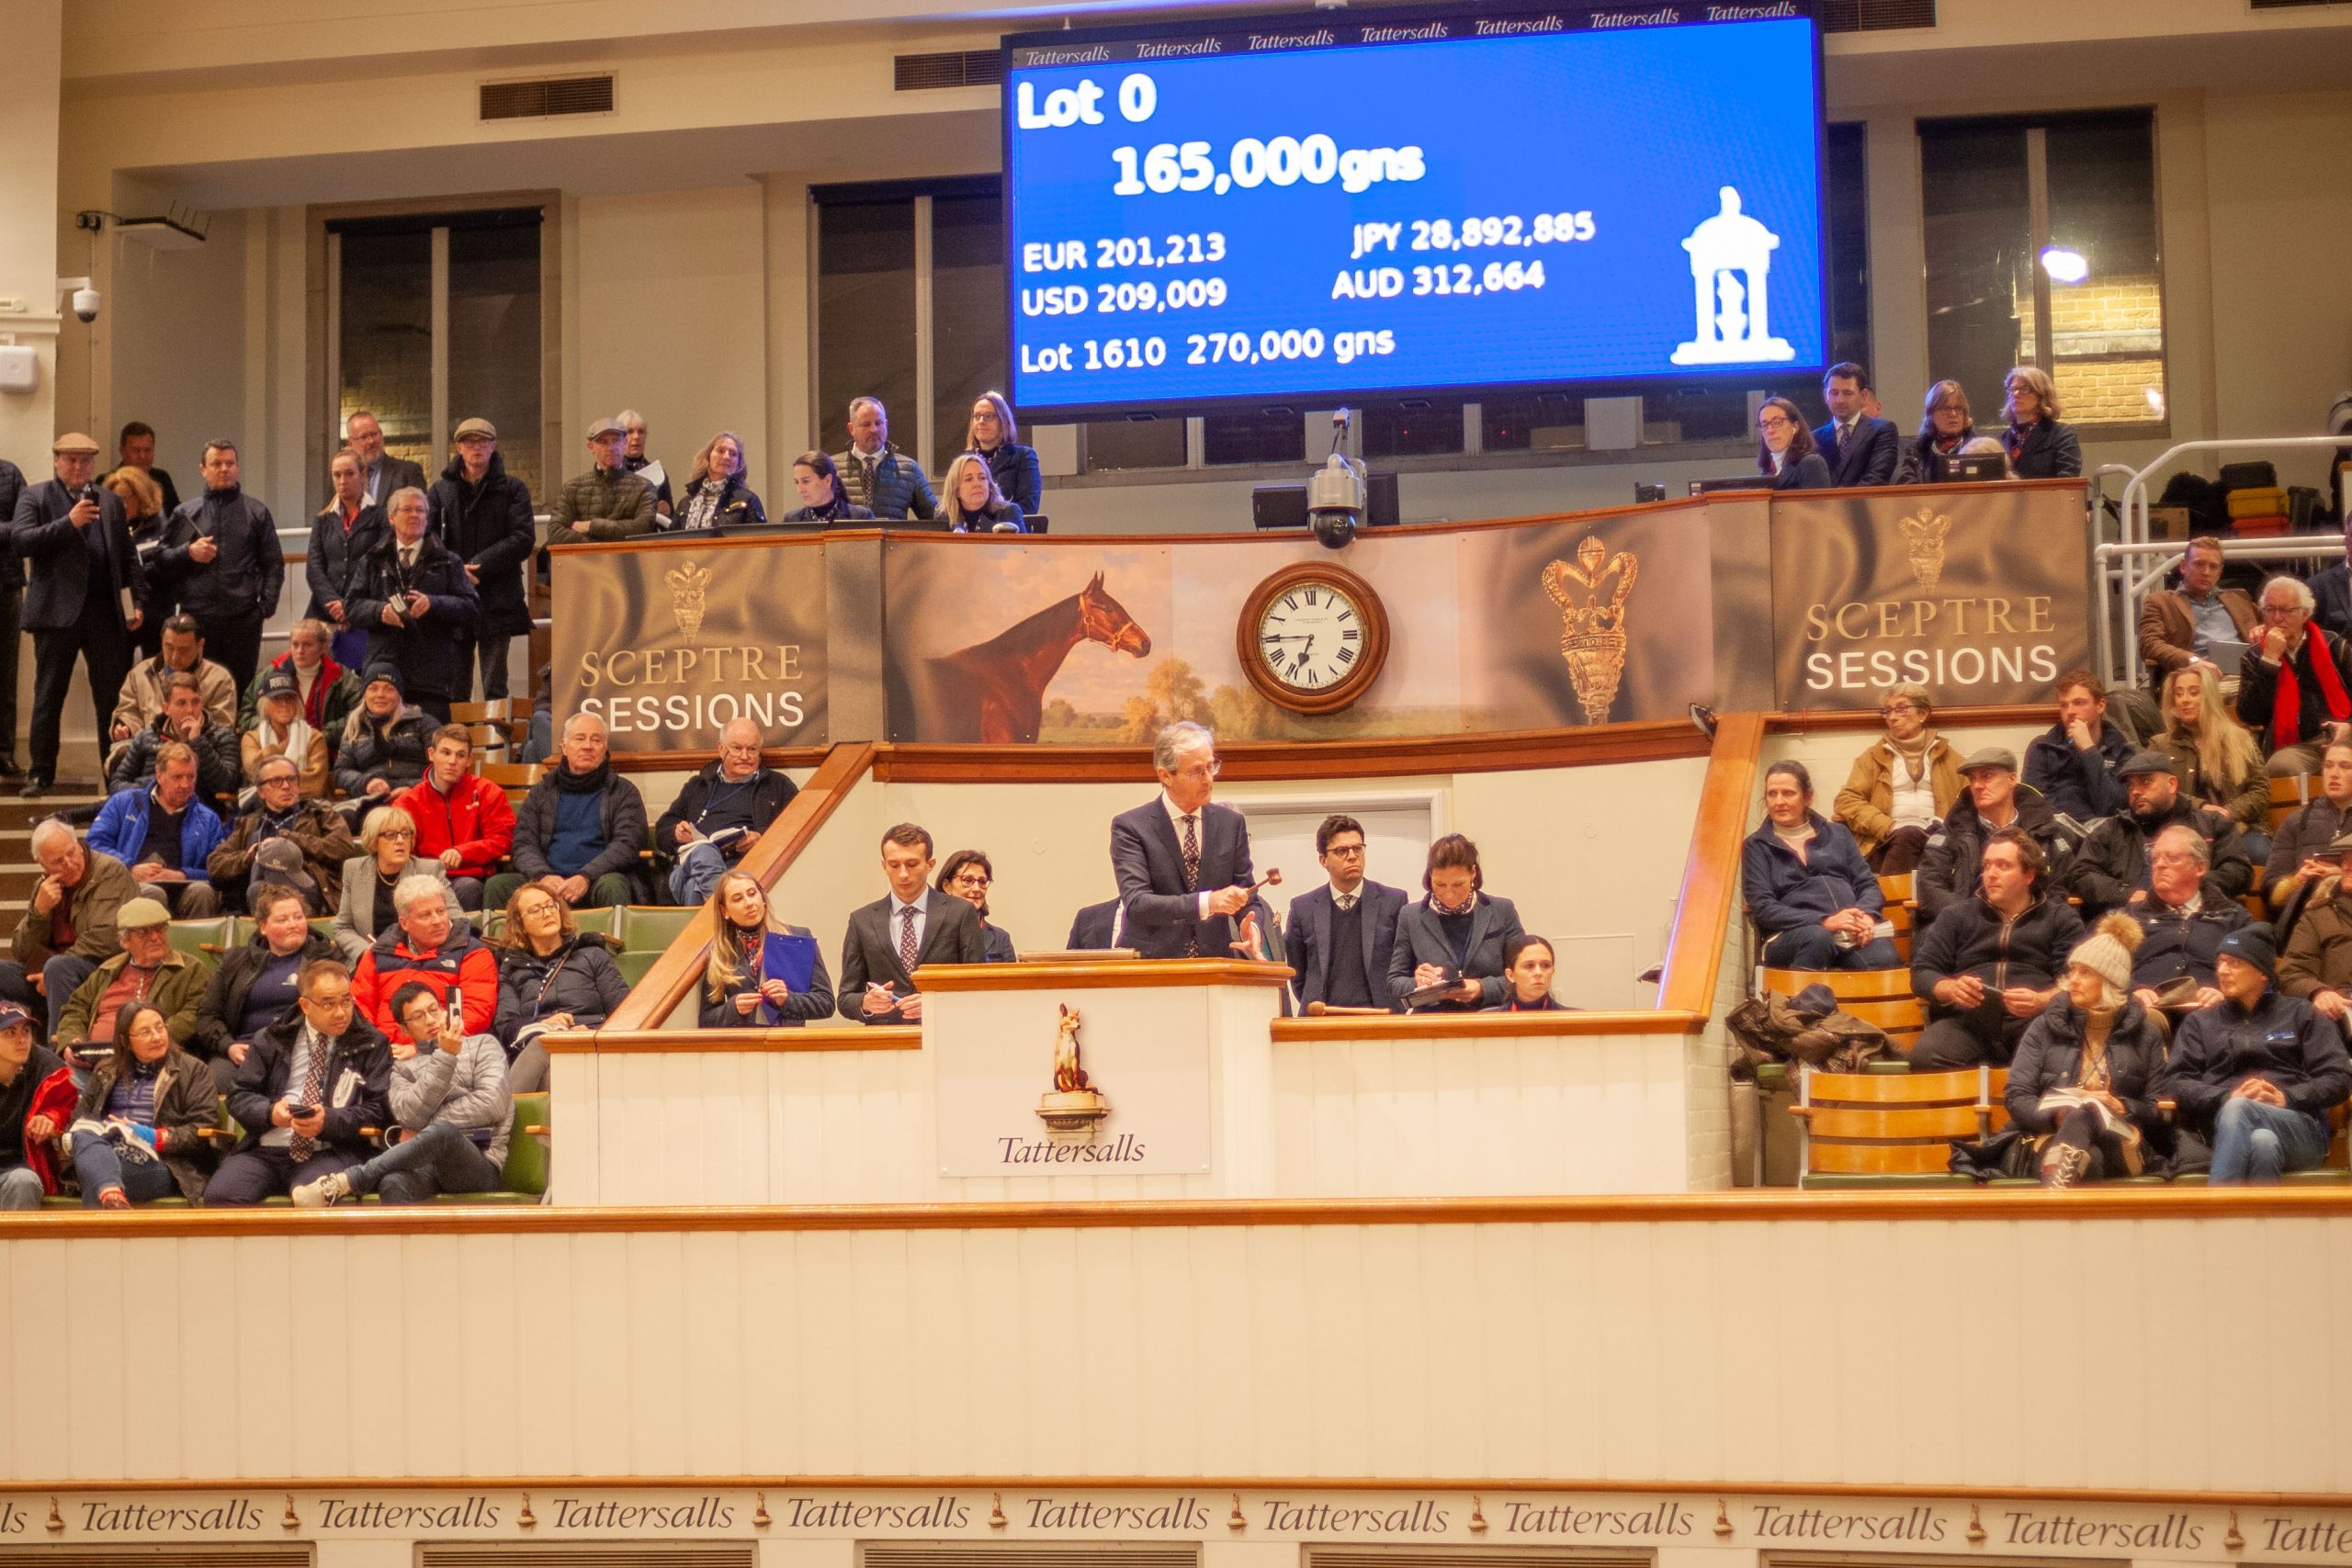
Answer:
x=995 y=691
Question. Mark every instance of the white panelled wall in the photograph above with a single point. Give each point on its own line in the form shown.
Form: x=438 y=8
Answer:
x=1694 y=1341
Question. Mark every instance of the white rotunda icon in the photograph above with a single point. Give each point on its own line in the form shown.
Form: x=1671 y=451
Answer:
x=1731 y=258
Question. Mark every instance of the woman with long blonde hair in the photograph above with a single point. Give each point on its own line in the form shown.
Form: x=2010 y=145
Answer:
x=2220 y=768
x=734 y=982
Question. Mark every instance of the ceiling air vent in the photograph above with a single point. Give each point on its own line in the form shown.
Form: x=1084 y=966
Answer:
x=957 y=68
x=551 y=96
x=1873 y=16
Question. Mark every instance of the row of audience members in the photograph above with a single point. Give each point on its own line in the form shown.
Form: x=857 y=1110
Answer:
x=399 y=1016
x=2177 y=993
x=1856 y=447
x=424 y=577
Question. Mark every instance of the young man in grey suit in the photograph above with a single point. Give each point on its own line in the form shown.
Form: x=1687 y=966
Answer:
x=913 y=925
x=1341 y=934
x=1182 y=863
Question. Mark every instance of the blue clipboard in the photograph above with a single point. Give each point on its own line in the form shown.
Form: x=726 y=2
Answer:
x=791 y=959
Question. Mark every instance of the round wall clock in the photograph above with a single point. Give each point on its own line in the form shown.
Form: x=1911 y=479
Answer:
x=1313 y=637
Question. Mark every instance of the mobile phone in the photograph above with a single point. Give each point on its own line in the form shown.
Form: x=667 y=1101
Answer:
x=299 y=1112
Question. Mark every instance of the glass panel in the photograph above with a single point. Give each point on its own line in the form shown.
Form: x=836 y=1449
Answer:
x=1256 y=436
x=865 y=316
x=1974 y=207
x=1415 y=429
x=966 y=314
x=2108 y=328
x=494 y=342
x=387 y=349
x=1134 y=443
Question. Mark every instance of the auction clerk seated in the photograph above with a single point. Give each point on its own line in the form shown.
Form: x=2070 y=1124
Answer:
x=734 y=983
x=1527 y=964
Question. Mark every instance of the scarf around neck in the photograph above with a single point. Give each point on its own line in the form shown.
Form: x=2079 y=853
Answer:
x=2287 y=706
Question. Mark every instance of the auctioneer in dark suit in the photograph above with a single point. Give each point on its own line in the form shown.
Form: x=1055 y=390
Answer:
x=1162 y=905
x=947 y=932
x=1421 y=938
x=1349 y=974
x=1867 y=460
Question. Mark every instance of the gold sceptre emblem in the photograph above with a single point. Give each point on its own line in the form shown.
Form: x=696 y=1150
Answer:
x=687 y=585
x=1924 y=537
x=1073 y=1106
x=1592 y=626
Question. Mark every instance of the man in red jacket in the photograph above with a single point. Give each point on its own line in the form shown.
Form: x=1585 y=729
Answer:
x=462 y=820
x=426 y=948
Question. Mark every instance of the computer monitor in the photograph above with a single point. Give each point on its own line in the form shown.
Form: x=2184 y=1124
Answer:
x=1971 y=467
x=1730 y=481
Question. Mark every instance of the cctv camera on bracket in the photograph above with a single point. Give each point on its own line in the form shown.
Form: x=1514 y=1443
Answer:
x=84 y=297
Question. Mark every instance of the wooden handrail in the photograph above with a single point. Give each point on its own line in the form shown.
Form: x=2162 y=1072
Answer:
x=1469 y=1026
x=2006 y=1206
x=759 y=1039
x=1381 y=757
x=672 y=979
x=1711 y=871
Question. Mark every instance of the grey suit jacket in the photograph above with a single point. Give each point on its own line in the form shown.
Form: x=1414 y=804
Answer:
x=1420 y=940
x=1149 y=865
x=354 y=918
x=951 y=934
x=1309 y=944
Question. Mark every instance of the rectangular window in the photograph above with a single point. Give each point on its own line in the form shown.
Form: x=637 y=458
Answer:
x=494 y=341
x=476 y=274
x=2042 y=249
x=966 y=314
x=386 y=338
x=865 y=314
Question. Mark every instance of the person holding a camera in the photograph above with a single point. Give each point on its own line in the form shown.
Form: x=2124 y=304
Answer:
x=88 y=594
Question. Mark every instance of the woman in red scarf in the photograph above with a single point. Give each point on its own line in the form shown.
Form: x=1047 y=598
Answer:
x=2291 y=688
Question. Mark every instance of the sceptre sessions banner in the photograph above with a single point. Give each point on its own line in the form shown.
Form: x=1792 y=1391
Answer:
x=1980 y=594
x=667 y=645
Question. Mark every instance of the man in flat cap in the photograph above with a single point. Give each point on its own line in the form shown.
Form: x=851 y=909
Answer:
x=607 y=502
x=88 y=594
x=1993 y=799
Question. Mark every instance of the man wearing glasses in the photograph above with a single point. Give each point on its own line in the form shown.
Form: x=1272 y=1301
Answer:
x=2291 y=686
x=1182 y=863
x=1341 y=934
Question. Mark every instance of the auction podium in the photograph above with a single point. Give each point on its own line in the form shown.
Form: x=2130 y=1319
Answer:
x=1104 y=1077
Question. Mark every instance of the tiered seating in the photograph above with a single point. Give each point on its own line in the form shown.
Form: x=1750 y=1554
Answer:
x=1892 y=1129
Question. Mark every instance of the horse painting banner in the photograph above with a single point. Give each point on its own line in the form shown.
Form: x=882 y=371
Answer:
x=1588 y=620
x=1979 y=593
x=667 y=642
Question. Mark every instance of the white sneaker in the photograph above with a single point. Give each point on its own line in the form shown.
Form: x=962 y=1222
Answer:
x=329 y=1188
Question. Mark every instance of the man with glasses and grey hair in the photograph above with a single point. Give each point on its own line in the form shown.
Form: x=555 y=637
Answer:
x=720 y=813
x=67 y=929
x=2291 y=689
x=1181 y=861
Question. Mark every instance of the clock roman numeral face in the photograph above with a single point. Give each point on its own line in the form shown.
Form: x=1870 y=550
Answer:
x=1310 y=637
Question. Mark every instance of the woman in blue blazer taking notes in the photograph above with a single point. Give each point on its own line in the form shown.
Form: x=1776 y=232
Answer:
x=734 y=983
